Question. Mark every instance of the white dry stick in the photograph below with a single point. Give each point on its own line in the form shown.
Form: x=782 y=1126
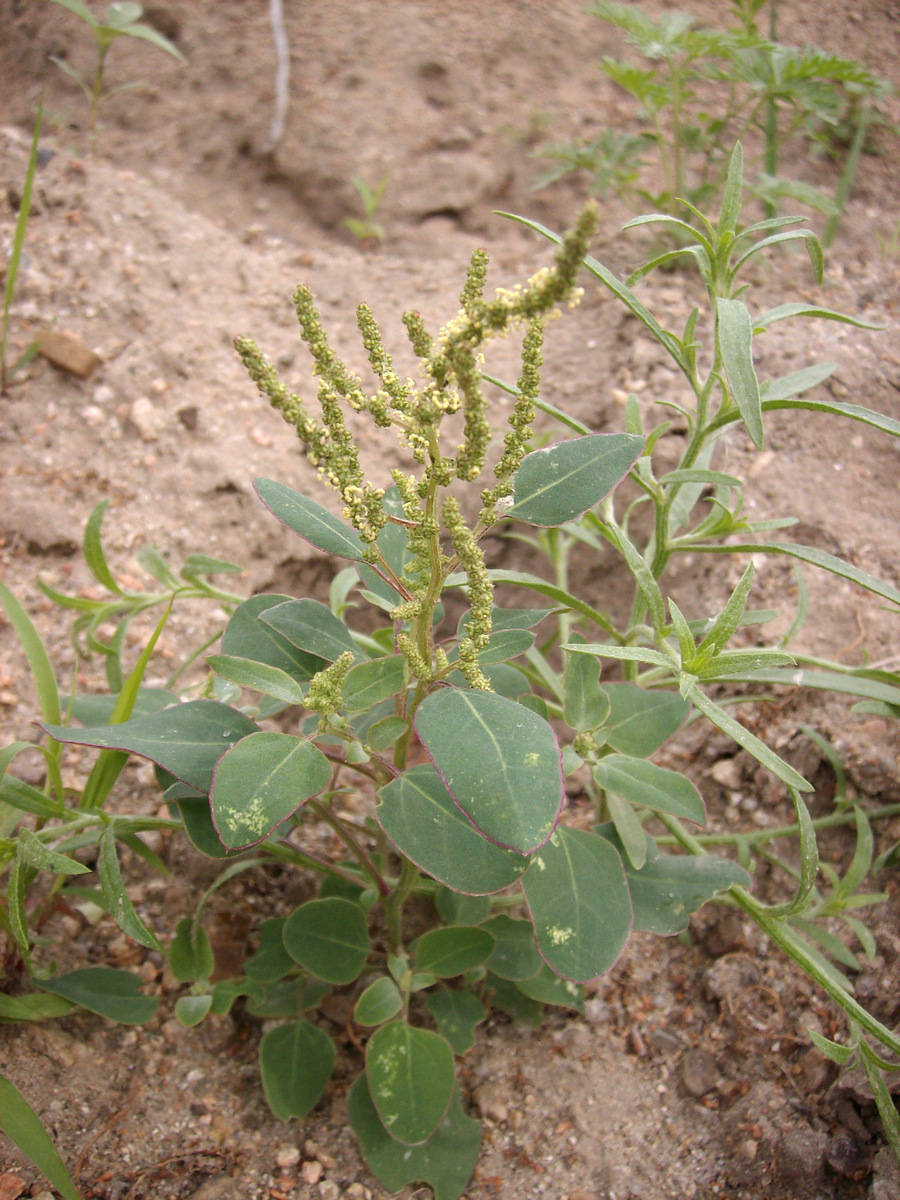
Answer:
x=282 y=74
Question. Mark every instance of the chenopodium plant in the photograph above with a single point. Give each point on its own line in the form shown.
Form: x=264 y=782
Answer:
x=466 y=737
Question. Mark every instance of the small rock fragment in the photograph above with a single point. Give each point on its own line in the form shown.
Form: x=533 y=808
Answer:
x=329 y=1190
x=727 y=772
x=729 y=976
x=68 y=352
x=287 y=1157
x=885 y=1183
x=311 y=1172
x=699 y=1072
x=815 y=1071
x=491 y=1100
x=11 y=1186
x=845 y=1155
x=146 y=418
x=726 y=936
x=800 y=1160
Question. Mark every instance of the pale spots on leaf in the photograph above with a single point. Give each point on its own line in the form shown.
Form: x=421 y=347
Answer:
x=539 y=863
x=559 y=936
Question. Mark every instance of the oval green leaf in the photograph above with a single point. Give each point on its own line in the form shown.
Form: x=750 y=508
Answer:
x=454 y=950
x=248 y=636
x=191 y=1010
x=410 y=1076
x=549 y=988
x=420 y=817
x=259 y=677
x=313 y=627
x=500 y=763
x=185 y=739
x=190 y=952
x=558 y=483
x=640 y=721
x=260 y=781
x=446 y=1160
x=579 y=903
x=586 y=706
x=271 y=961
x=329 y=938
x=515 y=955
x=368 y=683
x=295 y=1064
x=669 y=887
x=456 y=1014
x=314 y=523
x=379 y=1002
x=654 y=787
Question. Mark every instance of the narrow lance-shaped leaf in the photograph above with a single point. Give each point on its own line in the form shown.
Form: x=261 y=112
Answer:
x=115 y=894
x=735 y=337
x=22 y=1126
x=760 y=751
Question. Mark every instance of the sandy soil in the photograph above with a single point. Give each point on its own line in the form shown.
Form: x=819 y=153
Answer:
x=691 y=1074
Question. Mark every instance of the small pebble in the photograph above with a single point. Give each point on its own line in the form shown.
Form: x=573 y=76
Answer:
x=699 y=1072
x=287 y=1157
x=311 y=1172
x=329 y=1190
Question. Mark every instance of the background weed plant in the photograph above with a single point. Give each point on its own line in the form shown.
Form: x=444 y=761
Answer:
x=463 y=889
x=699 y=89
x=122 y=19
x=12 y=267
x=366 y=229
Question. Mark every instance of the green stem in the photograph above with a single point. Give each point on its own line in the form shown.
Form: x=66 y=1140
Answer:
x=340 y=828
x=393 y=905
x=761 y=836
x=792 y=945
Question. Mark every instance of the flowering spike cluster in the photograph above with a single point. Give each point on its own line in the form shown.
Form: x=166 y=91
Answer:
x=451 y=365
x=454 y=358
x=325 y=695
x=521 y=419
x=418 y=664
x=481 y=594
